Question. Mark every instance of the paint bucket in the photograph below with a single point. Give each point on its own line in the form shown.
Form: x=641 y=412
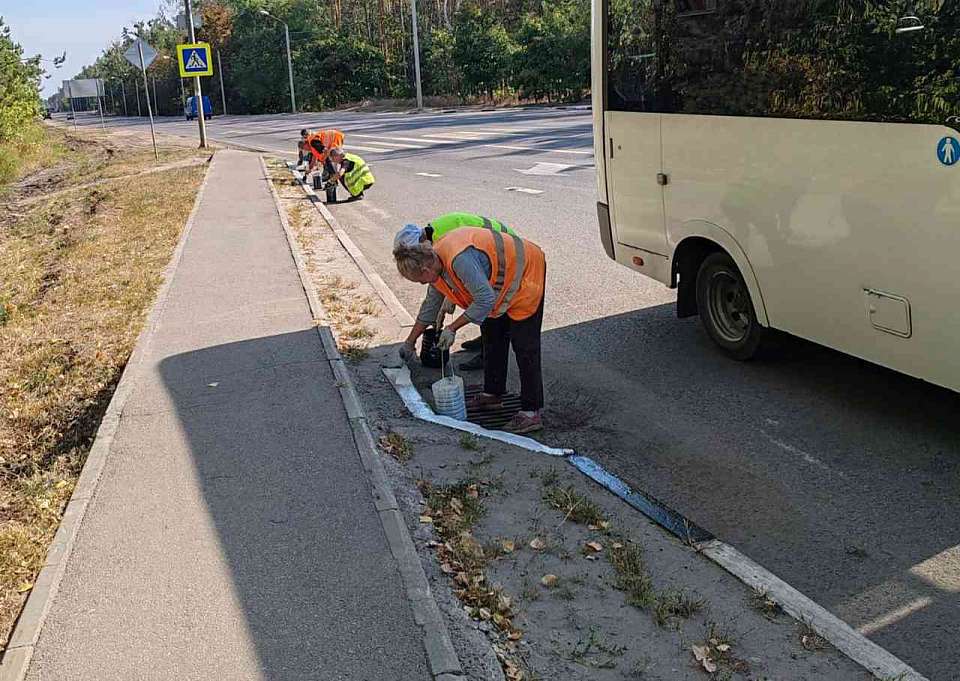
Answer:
x=449 y=399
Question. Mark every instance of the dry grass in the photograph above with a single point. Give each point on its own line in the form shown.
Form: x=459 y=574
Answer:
x=575 y=507
x=632 y=576
x=397 y=446
x=85 y=268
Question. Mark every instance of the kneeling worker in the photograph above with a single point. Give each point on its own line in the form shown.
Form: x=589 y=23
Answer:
x=353 y=172
x=498 y=279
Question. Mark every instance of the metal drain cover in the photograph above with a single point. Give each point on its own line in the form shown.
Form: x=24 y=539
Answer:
x=497 y=418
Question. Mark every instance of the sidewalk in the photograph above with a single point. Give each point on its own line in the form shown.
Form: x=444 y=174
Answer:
x=233 y=534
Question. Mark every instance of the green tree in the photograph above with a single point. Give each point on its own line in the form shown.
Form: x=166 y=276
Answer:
x=553 y=60
x=482 y=49
x=19 y=87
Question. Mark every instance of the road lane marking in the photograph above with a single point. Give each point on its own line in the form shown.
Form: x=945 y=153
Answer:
x=402 y=139
x=377 y=149
x=524 y=190
x=429 y=175
x=395 y=144
x=894 y=616
x=542 y=168
x=539 y=151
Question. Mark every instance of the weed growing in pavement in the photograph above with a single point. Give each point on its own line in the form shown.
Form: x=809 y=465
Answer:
x=632 y=576
x=397 y=446
x=593 y=651
x=454 y=510
x=765 y=605
x=352 y=352
x=575 y=506
x=715 y=655
x=470 y=442
x=550 y=478
x=811 y=640
x=673 y=605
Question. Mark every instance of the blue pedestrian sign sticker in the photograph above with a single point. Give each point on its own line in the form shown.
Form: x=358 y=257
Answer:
x=948 y=151
x=194 y=60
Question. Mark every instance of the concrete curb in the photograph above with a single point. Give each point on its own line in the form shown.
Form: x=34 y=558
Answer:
x=878 y=661
x=23 y=639
x=441 y=655
x=386 y=294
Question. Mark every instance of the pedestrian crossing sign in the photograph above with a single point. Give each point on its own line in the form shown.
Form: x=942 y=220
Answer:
x=194 y=60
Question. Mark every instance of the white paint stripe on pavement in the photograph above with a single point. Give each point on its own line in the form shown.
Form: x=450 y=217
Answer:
x=402 y=139
x=894 y=616
x=375 y=149
x=429 y=175
x=524 y=190
x=539 y=151
x=384 y=143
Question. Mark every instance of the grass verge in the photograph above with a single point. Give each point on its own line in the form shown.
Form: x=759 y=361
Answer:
x=85 y=267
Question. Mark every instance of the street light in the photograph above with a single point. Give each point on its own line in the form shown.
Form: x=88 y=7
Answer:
x=286 y=34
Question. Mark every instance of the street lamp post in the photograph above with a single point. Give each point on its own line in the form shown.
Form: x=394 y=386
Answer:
x=286 y=35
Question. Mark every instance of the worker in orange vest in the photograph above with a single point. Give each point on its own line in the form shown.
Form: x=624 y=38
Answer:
x=498 y=280
x=319 y=145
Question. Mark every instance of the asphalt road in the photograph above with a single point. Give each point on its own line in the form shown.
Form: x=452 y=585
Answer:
x=839 y=476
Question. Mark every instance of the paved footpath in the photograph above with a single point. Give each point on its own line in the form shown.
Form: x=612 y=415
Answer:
x=233 y=534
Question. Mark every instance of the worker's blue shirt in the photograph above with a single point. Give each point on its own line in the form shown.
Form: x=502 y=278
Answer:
x=473 y=268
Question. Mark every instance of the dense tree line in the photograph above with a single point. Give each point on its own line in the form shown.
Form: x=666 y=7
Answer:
x=348 y=50
x=19 y=102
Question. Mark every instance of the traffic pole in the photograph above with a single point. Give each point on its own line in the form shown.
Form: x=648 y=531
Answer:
x=123 y=93
x=223 y=94
x=146 y=92
x=416 y=54
x=197 y=91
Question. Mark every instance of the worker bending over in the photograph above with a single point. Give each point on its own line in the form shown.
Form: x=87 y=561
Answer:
x=319 y=145
x=353 y=172
x=435 y=230
x=498 y=280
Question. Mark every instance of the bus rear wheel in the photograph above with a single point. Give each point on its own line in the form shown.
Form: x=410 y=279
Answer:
x=726 y=310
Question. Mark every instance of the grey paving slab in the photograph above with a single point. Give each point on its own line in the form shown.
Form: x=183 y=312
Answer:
x=233 y=534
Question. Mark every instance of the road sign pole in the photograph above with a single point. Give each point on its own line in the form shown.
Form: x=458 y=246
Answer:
x=123 y=93
x=416 y=54
x=293 y=97
x=183 y=95
x=197 y=91
x=146 y=91
x=223 y=94
x=73 y=111
x=100 y=106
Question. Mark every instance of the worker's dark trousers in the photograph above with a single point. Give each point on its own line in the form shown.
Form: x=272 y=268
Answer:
x=498 y=335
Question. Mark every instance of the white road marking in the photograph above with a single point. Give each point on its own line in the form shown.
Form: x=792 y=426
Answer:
x=524 y=190
x=894 y=616
x=539 y=151
x=402 y=139
x=804 y=455
x=544 y=168
x=392 y=144
x=429 y=175
x=377 y=149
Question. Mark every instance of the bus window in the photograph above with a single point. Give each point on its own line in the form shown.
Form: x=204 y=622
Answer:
x=632 y=64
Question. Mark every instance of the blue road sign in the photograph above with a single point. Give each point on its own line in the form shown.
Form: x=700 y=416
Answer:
x=194 y=60
x=948 y=151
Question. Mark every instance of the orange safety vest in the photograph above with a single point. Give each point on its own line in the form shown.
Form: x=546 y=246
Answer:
x=517 y=270
x=328 y=138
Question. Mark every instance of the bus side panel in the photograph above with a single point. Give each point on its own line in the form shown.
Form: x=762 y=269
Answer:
x=824 y=211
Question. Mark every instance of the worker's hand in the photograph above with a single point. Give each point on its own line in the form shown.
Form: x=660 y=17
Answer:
x=407 y=353
x=448 y=307
x=447 y=337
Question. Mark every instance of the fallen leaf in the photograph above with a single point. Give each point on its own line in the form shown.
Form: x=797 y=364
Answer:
x=456 y=505
x=595 y=546
x=462 y=578
x=485 y=613
x=26 y=586
x=549 y=581
x=591 y=557
x=593 y=527
x=537 y=544
x=504 y=602
x=499 y=619
x=426 y=519
x=617 y=545
x=447 y=569
x=515 y=635
x=473 y=492
x=701 y=653
x=723 y=647
x=709 y=666
x=508 y=545
x=604 y=524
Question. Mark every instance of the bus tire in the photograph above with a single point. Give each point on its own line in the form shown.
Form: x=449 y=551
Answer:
x=726 y=309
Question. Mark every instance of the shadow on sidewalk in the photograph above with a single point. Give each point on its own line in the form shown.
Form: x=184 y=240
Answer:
x=275 y=459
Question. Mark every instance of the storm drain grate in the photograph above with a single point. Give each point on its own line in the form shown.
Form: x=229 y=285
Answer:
x=496 y=419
